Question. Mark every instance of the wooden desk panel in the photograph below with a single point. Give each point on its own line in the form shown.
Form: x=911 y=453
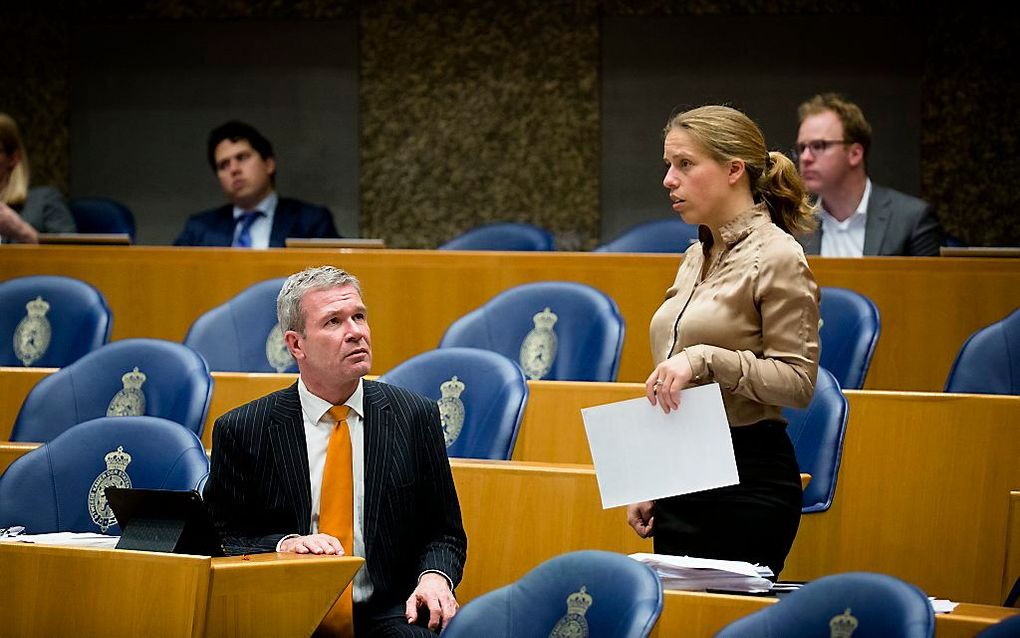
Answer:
x=73 y=591
x=415 y=295
x=700 y=615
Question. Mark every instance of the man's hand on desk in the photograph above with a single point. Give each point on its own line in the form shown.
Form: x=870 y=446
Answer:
x=312 y=544
x=432 y=593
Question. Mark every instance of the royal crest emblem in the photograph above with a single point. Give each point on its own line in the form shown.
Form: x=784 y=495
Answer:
x=129 y=401
x=276 y=350
x=842 y=626
x=32 y=336
x=538 y=351
x=573 y=624
x=115 y=475
x=451 y=409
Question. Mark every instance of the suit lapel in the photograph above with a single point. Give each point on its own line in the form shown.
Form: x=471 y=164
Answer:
x=283 y=220
x=378 y=423
x=223 y=233
x=287 y=433
x=878 y=221
x=812 y=242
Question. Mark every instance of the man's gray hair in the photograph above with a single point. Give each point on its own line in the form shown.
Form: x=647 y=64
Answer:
x=288 y=302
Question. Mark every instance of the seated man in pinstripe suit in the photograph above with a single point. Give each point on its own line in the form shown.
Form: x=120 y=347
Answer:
x=269 y=458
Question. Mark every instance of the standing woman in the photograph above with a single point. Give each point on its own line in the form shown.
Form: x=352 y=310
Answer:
x=743 y=313
x=25 y=212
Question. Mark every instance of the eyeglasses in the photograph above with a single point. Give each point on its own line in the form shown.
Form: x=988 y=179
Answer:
x=817 y=147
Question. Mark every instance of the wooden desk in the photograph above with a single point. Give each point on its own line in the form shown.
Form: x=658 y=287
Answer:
x=153 y=293
x=927 y=491
x=70 y=591
x=699 y=615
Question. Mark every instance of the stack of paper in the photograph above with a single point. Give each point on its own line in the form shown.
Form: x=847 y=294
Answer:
x=79 y=539
x=696 y=574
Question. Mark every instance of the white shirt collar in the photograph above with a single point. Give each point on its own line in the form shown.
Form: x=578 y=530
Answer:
x=315 y=407
x=859 y=217
x=267 y=206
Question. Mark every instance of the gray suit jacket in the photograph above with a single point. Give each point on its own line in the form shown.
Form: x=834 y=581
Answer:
x=259 y=488
x=44 y=209
x=897 y=224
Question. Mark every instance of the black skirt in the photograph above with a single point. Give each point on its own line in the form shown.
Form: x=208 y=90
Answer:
x=755 y=521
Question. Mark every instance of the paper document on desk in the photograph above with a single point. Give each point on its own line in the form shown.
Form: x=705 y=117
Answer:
x=642 y=454
x=76 y=539
x=688 y=573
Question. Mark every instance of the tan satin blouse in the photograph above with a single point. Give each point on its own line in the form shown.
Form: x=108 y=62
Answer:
x=751 y=324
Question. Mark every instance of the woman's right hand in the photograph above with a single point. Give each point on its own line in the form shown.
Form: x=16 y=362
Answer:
x=641 y=517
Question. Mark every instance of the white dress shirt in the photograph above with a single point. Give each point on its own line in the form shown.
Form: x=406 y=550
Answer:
x=845 y=238
x=318 y=428
x=262 y=227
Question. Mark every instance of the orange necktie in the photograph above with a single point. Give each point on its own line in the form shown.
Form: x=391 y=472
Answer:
x=336 y=516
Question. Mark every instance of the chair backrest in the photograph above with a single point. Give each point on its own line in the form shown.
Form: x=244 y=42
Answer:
x=1008 y=628
x=556 y=330
x=989 y=361
x=817 y=433
x=133 y=377
x=872 y=605
x=503 y=236
x=102 y=215
x=59 y=487
x=50 y=322
x=243 y=335
x=659 y=236
x=587 y=593
x=481 y=396
x=848 y=334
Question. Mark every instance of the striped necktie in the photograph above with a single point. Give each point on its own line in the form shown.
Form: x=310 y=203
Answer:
x=336 y=515
x=246 y=219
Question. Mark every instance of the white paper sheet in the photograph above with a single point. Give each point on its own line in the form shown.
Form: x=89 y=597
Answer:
x=79 y=539
x=641 y=454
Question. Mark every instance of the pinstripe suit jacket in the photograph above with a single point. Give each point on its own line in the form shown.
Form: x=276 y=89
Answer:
x=259 y=488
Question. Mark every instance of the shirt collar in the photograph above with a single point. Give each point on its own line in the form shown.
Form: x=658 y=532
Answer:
x=267 y=206
x=315 y=407
x=861 y=212
x=744 y=224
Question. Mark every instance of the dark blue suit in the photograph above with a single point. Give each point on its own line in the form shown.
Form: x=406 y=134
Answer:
x=293 y=218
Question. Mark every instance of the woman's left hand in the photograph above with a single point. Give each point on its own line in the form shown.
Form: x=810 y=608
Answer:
x=667 y=380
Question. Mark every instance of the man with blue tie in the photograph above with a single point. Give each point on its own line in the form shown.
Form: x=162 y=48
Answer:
x=242 y=159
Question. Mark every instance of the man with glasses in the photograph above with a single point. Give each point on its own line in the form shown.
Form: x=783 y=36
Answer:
x=856 y=216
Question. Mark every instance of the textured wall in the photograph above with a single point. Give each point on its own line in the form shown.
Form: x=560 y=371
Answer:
x=479 y=112
x=485 y=110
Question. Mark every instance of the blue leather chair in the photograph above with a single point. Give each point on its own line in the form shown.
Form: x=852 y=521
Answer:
x=578 y=339
x=587 y=593
x=1008 y=628
x=481 y=397
x=503 y=236
x=989 y=361
x=242 y=335
x=102 y=215
x=172 y=382
x=849 y=332
x=58 y=487
x=817 y=433
x=73 y=321
x=876 y=605
x=659 y=236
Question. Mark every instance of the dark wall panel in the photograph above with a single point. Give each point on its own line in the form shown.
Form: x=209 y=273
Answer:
x=145 y=97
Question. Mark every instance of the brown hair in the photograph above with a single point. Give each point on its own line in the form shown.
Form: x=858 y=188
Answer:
x=855 y=127
x=728 y=134
x=15 y=190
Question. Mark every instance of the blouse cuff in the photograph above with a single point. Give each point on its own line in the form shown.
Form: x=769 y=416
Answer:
x=698 y=362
